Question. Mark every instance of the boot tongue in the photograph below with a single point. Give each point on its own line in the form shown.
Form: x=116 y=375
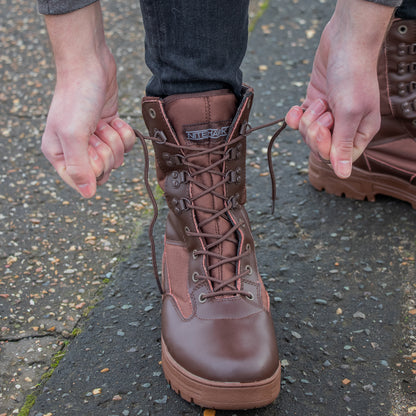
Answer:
x=204 y=120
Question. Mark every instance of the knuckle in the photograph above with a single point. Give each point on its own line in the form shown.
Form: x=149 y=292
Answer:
x=45 y=150
x=74 y=170
x=345 y=147
x=112 y=137
x=69 y=132
x=104 y=150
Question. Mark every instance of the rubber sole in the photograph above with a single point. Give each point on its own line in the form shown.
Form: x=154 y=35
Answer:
x=219 y=395
x=360 y=185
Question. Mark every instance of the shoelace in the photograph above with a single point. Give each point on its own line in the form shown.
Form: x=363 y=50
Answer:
x=220 y=287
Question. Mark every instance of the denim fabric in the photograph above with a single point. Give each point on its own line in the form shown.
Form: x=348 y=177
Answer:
x=194 y=45
x=407 y=10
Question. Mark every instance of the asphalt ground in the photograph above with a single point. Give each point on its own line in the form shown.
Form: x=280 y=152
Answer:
x=77 y=292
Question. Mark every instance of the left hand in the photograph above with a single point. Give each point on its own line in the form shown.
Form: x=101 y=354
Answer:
x=342 y=107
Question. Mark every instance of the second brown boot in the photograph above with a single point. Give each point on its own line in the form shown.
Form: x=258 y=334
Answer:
x=388 y=165
x=218 y=342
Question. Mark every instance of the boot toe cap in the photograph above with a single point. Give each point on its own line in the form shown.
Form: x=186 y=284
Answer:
x=239 y=350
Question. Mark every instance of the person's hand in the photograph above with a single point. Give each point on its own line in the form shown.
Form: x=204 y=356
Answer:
x=84 y=139
x=341 y=113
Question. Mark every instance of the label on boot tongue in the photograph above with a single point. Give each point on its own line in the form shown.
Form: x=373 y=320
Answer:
x=201 y=133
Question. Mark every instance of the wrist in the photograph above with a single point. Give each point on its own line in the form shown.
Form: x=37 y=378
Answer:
x=77 y=39
x=360 y=25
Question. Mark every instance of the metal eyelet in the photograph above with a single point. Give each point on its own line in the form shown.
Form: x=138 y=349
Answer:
x=162 y=136
x=202 y=298
x=187 y=230
x=194 y=277
x=250 y=296
x=250 y=270
x=152 y=113
x=194 y=255
x=248 y=247
x=402 y=29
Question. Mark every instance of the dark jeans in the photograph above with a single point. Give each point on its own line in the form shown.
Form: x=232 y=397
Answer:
x=407 y=10
x=194 y=45
x=198 y=45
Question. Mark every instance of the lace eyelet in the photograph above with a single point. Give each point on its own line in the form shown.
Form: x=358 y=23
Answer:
x=250 y=270
x=163 y=139
x=194 y=277
x=194 y=255
x=402 y=29
x=152 y=113
x=250 y=296
x=187 y=230
x=248 y=247
x=202 y=298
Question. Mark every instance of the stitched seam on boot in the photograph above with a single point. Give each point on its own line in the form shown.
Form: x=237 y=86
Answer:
x=390 y=166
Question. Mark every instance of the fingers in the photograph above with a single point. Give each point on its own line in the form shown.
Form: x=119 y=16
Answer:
x=125 y=132
x=315 y=124
x=102 y=158
x=352 y=134
x=81 y=160
x=342 y=147
x=118 y=136
x=293 y=117
x=323 y=139
x=110 y=145
x=72 y=161
x=112 y=140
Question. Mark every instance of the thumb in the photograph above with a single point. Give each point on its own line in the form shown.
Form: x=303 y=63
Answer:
x=341 y=154
x=75 y=168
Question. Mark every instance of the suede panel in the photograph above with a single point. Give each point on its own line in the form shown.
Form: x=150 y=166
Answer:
x=177 y=262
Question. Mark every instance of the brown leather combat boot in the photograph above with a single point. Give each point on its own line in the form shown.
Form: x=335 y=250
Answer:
x=388 y=165
x=218 y=341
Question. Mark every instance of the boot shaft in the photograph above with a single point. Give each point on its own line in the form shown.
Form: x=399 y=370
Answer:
x=200 y=162
x=397 y=80
x=198 y=121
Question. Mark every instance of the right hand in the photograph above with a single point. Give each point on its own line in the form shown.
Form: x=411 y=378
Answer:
x=84 y=138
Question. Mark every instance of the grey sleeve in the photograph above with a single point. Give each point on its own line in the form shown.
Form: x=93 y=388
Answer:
x=391 y=3
x=62 y=6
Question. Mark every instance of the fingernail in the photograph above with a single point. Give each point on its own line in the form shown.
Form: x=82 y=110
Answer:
x=325 y=120
x=317 y=107
x=85 y=190
x=118 y=123
x=344 y=168
x=299 y=110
